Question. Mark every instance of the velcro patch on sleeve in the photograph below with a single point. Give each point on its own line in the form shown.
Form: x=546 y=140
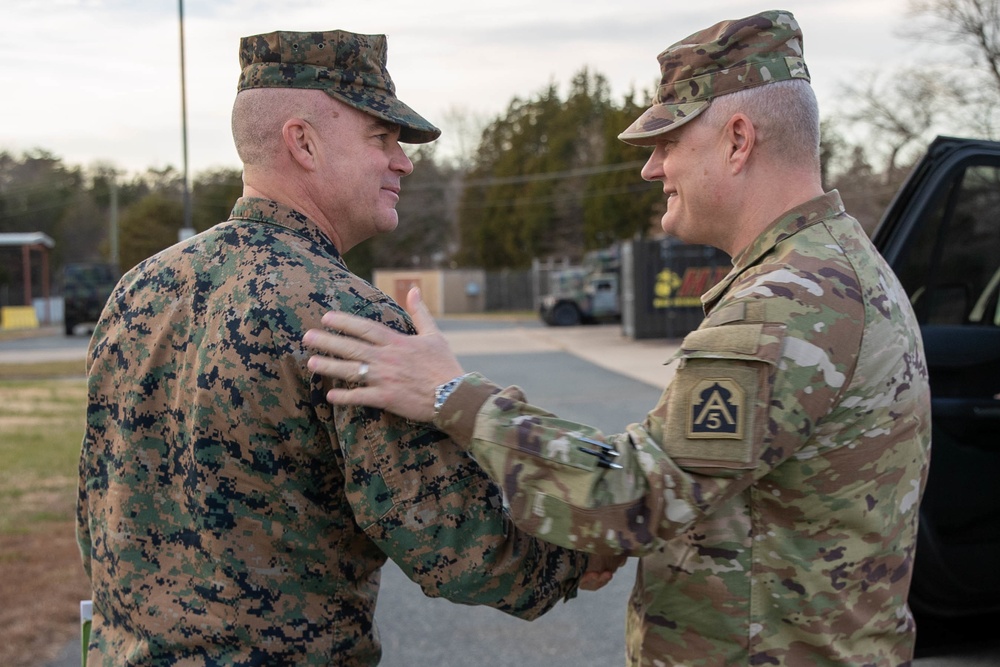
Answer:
x=712 y=413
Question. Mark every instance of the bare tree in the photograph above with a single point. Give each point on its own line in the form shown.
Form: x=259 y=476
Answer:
x=462 y=130
x=973 y=26
x=953 y=90
x=898 y=111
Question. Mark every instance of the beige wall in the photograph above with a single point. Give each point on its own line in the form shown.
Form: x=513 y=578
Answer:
x=464 y=291
x=397 y=283
x=448 y=291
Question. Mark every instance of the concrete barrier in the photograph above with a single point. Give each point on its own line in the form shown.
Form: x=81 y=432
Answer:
x=18 y=317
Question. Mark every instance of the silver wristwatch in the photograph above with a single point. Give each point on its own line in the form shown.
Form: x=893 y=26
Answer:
x=443 y=391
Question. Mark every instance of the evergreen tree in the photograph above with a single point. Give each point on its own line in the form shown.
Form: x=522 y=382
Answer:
x=621 y=205
x=149 y=226
x=552 y=178
x=213 y=194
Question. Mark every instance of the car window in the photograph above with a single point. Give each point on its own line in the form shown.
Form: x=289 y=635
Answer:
x=951 y=267
x=987 y=308
x=94 y=273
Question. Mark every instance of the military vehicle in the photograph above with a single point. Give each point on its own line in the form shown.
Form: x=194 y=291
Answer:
x=584 y=294
x=86 y=288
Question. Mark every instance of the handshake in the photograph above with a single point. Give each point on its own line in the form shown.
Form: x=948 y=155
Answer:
x=600 y=570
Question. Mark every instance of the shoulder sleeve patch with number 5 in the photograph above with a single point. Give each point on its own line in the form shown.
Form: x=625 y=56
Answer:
x=716 y=407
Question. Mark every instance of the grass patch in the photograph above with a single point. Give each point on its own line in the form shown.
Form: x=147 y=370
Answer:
x=42 y=370
x=41 y=428
x=20 y=334
x=42 y=413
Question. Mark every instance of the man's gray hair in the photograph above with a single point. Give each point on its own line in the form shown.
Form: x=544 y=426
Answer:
x=784 y=113
x=260 y=113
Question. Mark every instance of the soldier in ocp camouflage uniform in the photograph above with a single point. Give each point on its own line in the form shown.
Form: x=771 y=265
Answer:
x=772 y=493
x=228 y=515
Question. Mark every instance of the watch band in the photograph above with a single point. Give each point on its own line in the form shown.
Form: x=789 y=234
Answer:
x=443 y=391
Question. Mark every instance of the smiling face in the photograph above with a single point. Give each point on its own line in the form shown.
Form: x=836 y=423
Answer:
x=360 y=166
x=689 y=162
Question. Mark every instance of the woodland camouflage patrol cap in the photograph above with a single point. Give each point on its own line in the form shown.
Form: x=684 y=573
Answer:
x=347 y=66
x=727 y=57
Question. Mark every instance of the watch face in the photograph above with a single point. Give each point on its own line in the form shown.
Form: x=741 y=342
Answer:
x=443 y=391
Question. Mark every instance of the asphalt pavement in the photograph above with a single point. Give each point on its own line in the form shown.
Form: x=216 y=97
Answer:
x=591 y=374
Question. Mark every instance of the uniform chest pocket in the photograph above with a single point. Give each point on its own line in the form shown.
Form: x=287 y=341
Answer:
x=715 y=412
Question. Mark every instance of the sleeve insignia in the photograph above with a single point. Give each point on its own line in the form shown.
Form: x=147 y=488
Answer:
x=717 y=407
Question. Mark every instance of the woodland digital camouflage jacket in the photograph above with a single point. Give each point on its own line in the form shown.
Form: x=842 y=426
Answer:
x=773 y=491
x=228 y=515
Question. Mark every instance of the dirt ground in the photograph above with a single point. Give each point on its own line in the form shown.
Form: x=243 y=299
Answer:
x=41 y=585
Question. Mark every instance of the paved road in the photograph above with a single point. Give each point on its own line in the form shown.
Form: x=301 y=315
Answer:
x=568 y=372
x=50 y=345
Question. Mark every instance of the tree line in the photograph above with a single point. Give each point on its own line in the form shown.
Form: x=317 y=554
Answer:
x=547 y=177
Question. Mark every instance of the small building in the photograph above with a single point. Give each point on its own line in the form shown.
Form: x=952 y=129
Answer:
x=445 y=291
x=23 y=315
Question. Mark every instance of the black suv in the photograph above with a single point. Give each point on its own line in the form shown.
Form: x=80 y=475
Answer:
x=941 y=235
x=86 y=288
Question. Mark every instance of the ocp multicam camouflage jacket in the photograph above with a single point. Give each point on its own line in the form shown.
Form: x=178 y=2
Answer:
x=772 y=493
x=228 y=515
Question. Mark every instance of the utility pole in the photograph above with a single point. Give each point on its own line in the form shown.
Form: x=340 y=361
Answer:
x=188 y=229
x=113 y=188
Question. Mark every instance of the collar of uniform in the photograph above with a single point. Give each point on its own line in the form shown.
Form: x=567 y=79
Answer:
x=824 y=207
x=268 y=212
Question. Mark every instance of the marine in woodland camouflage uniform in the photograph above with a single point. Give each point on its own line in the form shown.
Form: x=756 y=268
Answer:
x=773 y=491
x=227 y=514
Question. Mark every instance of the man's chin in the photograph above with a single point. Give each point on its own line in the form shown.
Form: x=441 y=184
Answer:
x=676 y=229
x=388 y=224
x=670 y=227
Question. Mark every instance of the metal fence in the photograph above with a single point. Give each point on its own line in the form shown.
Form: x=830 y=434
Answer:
x=521 y=289
x=509 y=289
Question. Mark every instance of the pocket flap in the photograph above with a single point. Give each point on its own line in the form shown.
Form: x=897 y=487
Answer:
x=746 y=342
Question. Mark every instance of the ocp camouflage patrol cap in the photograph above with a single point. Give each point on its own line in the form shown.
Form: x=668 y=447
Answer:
x=347 y=66
x=727 y=57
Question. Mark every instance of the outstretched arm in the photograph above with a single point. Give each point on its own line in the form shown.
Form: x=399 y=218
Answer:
x=402 y=373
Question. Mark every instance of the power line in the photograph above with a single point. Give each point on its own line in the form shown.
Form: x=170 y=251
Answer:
x=53 y=204
x=554 y=175
x=37 y=186
x=489 y=181
x=555 y=199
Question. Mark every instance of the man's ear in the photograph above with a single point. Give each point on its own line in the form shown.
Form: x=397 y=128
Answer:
x=300 y=142
x=741 y=137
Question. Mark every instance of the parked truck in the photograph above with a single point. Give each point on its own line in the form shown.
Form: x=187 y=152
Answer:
x=86 y=288
x=587 y=293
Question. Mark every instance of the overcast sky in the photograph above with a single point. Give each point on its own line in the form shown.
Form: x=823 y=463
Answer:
x=99 y=80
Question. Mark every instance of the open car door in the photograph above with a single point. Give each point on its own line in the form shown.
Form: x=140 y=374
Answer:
x=941 y=235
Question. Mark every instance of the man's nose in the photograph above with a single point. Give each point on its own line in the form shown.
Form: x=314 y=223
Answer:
x=653 y=169
x=400 y=162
